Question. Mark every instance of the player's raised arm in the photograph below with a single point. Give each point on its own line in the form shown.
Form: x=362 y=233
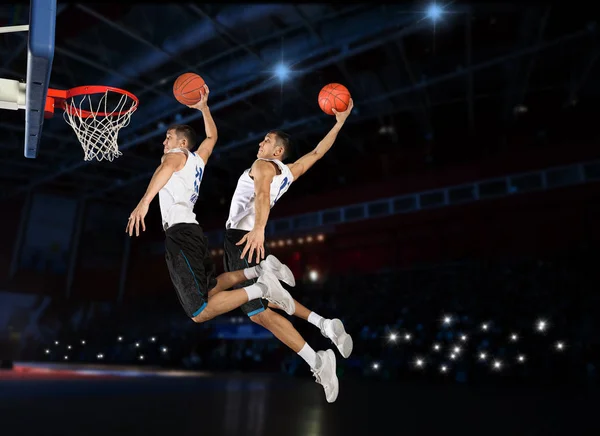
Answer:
x=308 y=160
x=206 y=147
x=263 y=173
x=170 y=163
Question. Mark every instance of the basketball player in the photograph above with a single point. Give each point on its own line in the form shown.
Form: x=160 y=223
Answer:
x=257 y=191
x=177 y=183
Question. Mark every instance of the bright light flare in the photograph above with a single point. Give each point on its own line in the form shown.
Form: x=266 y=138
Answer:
x=541 y=325
x=282 y=71
x=434 y=11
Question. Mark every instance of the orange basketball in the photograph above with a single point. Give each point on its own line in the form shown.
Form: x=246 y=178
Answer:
x=188 y=88
x=334 y=96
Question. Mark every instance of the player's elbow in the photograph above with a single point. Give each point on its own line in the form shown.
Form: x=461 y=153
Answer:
x=210 y=142
x=314 y=156
x=207 y=147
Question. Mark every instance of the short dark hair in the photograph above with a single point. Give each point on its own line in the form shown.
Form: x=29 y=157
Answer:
x=187 y=132
x=283 y=140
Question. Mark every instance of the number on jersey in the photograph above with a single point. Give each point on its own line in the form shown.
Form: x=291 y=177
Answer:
x=197 y=181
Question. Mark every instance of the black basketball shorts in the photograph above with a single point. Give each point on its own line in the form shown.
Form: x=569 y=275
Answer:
x=232 y=262
x=191 y=269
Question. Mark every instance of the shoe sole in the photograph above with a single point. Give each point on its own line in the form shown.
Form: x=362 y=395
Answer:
x=335 y=383
x=276 y=263
x=344 y=341
x=292 y=304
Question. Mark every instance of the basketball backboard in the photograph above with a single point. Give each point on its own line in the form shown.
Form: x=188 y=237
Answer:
x=96 y=113
x=40 y=54
x=31 y=96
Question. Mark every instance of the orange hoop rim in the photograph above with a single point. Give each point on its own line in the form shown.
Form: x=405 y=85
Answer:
x=58 y=97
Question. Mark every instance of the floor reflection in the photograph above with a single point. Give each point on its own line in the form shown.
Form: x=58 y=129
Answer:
x=263 y=405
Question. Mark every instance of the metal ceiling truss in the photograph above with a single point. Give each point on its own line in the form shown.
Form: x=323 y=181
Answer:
x=305 y=46
x=490 y=63
x=331 y=60
x=423 y=103
x=353 y=39
x=579 y=78
x=515 y=66
x=299 y=47
x=522 y=91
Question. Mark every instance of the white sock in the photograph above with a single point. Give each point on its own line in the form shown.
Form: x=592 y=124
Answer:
x=252 y=272
x=316 y=319
x=254 y=291
x=309 y=355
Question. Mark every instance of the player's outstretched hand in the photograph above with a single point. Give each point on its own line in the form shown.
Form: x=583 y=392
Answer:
x=255 y=241
x=137 y=216
x=203 y=103
x=341 y=116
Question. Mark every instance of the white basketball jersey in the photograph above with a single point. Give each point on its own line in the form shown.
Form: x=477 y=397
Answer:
x=178 y=197
x=241 y=212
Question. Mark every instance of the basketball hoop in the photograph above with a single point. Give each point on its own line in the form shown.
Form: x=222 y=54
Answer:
x=96 y=114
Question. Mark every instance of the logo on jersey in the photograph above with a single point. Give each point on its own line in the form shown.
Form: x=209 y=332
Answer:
x=284 y=184
x=197 y=181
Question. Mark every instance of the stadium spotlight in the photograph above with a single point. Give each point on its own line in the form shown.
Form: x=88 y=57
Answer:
x=282 y=71
x=434 y=11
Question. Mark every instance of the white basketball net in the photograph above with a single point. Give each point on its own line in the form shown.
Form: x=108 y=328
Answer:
x=98 y=133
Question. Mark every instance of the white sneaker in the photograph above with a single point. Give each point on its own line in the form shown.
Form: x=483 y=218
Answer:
x=325 y=375
x=281 y=271
x=275 y=293
x=334 y=330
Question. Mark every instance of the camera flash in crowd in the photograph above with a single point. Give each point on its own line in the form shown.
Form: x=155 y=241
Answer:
x=541 y=325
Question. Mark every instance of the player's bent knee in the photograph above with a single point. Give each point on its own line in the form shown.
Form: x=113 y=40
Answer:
x=202 y=315
x=199 y=318
x=261 y=318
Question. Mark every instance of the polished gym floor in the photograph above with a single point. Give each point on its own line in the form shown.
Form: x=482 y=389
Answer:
x=88 y=401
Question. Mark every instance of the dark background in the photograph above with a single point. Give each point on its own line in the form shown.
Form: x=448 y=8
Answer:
x=465 y=182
